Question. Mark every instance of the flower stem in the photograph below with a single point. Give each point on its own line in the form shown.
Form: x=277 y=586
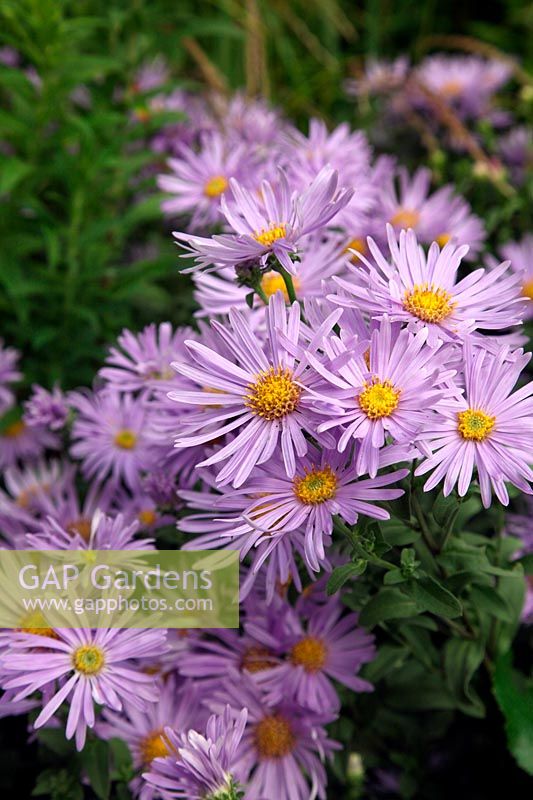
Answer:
x=287 y=278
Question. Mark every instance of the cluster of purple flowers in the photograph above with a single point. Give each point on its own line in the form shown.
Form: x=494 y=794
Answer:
x=343 y=343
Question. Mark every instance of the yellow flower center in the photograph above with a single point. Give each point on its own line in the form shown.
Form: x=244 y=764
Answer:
x=309 y=653
x=14 y=429
x=215 y=186
x=155 y=745
x=443 y=239
x=147 y=517
x=428 y=303
x=316 y=487
x=88 y=659
x=267 y=236
x=356 y=244
x=35 y=623
x=527 y=289
x=474 y=425
x=405 y=218
x=379 y=399
x=274 y=394
x=256 y=659
x=81 y=526
x=451 y=88
x=272 y=282
x=125 y=439
x=274 y=737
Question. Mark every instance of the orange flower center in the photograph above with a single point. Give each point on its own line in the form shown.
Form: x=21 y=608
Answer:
x=405 y=218
x=15 y=429
x=309 y=653
x=316 y=487
x=256 y=659
x=274 y=737
x=126 y=439
x=274 y=394
x=155 y=745
x=215 y=186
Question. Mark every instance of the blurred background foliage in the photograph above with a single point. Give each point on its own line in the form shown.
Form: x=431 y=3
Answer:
x=84 y=247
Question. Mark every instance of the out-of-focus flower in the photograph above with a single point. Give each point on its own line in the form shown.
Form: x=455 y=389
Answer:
x=9 y=373
x=46 y=409
x=520 y=254
x=516 y=150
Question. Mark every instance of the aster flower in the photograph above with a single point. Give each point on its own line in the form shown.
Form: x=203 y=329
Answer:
x=390 y=395
x=489 y=428
x=199 y=178
x=380 y=77
x=466 y=82
x=283 y=746
x=260 y=396
x=515 y=149
x=100 y=532
x=46 y=409
x=141 y=362
x=19 y=442
x=90 y=666
x=202 y=767
x=325 y=484
x=422 y=290
x=320 y=259
x=273 y=223
x=9 y=373
x=29 y=486
x=143 y=730
x=109 y=436
x=520 y=254
x=331 y=646
x=151 y=75
x=441 y=217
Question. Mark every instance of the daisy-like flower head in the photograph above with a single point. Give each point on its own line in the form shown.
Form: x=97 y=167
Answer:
x=151 y=75
x=516 y=151
x=283 y=746
x=272 y=222
x=379 y=77
x=384 y=391
x=439 y=217
x=320 y=259
x=109 y=436
x=423 y=290
x=46 y=409
x=9 y=374
x=177 y=708
x=20 y=442
x=141 y=362
x=466 y=82
x=261 y=395
x=100 y=532
x=330 y=646
x=520 y=254
x=199 y=179
x=89 y=666
x=325 y=484
x=489 y=428
x=202 y=767
x=30 y=486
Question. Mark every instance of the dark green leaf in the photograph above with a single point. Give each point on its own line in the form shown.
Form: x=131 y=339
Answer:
x=515 y=698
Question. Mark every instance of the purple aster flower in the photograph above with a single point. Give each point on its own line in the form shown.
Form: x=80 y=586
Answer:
x=254 y=122
x=10 y=57
x=109 y=436
x=202 y=767
x=319 y=260
x=46 y=409
x=325 y=484
x=30 y=486
x=422 y=290
x=101 y=532
x=330 y=646
x=489 y=428
x=271 y=223
x=199 y=178
x=262 y=395
x=19 y=442
x=466 y=82
x=520 y=254
x=141 y=362
x=283 y=746
x=89 y=666
x=521 y=526
x=441 y=217
x=151 y=75
x=380 y=77
x=386 y=391
x=143 y=729
x=8 y=374
x=516 y=151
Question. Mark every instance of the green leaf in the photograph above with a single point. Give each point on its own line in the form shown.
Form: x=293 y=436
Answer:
x=96 y=761
x=12 y=172
x=461 y=660
x=387 y=604
x=432 y=596
x=340 y=575
x=486 y=598
x=515 y=699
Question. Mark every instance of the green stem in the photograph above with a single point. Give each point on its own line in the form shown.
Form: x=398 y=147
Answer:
x=358 y=548
x=289 y=285
x=260 y=293
x=426 y=533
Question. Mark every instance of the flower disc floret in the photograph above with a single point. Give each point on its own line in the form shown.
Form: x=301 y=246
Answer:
x=267 y=236
x=274 y=394
x=88 y=659
x=428 y=303
x=309 y=653
x=274 y=737
x=379 y=399
x=475 y=425
x=215 y=186
x=125 y=439
x=316 y=486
